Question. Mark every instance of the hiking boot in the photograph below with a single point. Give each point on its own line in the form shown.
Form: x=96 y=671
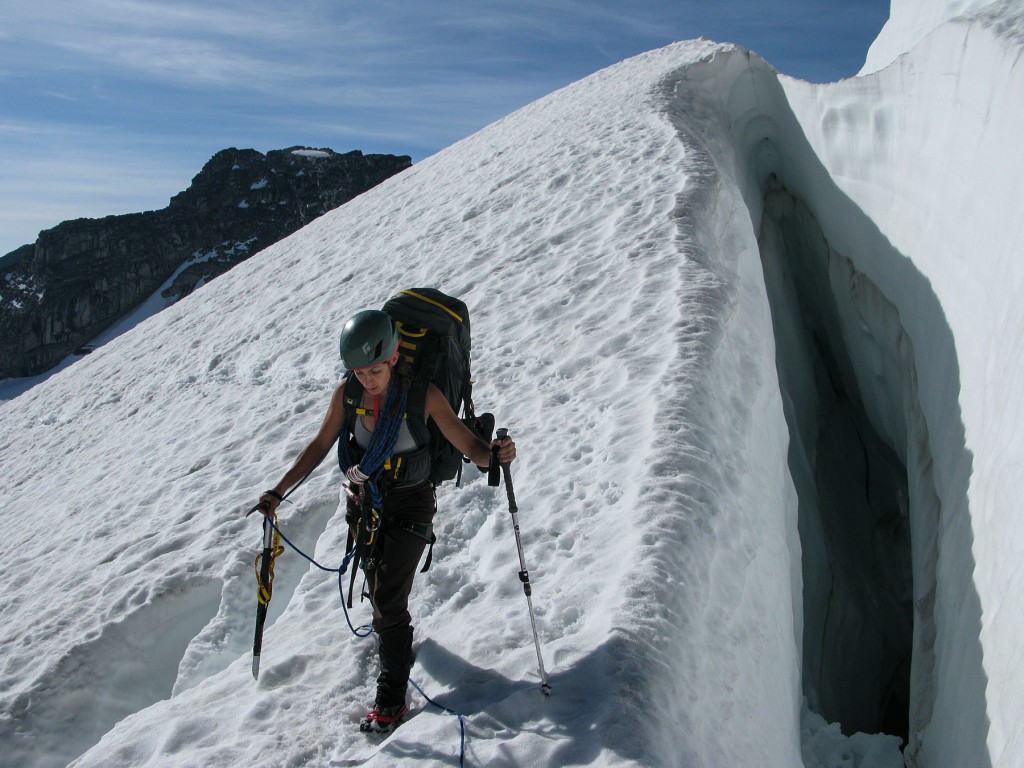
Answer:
x=383 y=719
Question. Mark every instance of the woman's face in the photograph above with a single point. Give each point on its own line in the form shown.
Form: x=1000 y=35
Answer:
x=374 y=378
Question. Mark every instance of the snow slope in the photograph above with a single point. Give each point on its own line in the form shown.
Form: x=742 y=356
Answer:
x=616 y=243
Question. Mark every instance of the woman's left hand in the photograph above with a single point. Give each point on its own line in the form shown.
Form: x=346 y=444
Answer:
x=506 y=450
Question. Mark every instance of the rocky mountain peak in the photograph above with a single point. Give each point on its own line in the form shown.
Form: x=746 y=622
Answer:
x=82 y=275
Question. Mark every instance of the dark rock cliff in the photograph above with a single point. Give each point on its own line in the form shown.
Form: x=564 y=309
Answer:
x=83 y=275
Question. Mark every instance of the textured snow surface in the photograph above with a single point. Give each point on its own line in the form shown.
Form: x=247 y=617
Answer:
x=605 y=239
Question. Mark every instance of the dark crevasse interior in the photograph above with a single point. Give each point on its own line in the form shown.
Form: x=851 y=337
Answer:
x=854 y=494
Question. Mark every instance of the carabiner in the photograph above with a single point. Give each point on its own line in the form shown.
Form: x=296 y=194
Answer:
x=373 y=523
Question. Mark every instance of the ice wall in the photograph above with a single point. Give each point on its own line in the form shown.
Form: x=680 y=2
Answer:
x=909 y=22
x=852 y=484
x=923 y=149
x=858 y=640
x=905 y=179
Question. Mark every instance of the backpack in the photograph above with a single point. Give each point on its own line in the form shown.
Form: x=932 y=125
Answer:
x=434 y=336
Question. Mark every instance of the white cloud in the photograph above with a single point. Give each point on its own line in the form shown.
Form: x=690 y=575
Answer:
x=53 y=172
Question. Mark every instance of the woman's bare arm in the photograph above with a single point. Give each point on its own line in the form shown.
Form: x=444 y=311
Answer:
x=314 y=452
x=458 y=434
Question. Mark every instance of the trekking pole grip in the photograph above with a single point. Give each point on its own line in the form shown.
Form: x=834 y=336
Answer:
x=501 y=434
x=493 y=469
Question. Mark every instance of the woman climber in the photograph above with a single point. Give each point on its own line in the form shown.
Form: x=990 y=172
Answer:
x=391 y=500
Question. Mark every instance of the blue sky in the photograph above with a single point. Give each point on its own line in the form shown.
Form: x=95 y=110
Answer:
x=112 y=106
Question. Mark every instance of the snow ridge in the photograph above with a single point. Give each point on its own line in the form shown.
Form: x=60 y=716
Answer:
x=606 y=240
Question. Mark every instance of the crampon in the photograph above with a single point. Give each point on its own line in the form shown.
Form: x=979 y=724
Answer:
x=383 y=719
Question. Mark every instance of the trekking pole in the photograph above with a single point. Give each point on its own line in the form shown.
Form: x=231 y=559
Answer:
x=524 y=575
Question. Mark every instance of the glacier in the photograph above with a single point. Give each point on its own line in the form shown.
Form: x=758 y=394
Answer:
x=758 y=342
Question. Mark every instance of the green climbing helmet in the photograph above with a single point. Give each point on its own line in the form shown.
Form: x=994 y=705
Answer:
x=369 y=337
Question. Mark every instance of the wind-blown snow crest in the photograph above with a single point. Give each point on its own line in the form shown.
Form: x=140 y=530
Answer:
x=606 y=239
x=910 y=21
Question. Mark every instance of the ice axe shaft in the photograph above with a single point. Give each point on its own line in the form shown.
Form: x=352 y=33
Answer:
x=263 y=588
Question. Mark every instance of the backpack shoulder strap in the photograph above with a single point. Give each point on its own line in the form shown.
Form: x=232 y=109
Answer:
x=353 y=398
x=417 y=402
x=417 y=407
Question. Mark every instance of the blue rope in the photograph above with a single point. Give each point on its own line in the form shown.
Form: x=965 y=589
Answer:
x=363 y=631
x=382 y=442
x=443 y=708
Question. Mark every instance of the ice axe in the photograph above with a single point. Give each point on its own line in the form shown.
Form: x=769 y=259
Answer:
x=264 y=588
x=264 y=579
